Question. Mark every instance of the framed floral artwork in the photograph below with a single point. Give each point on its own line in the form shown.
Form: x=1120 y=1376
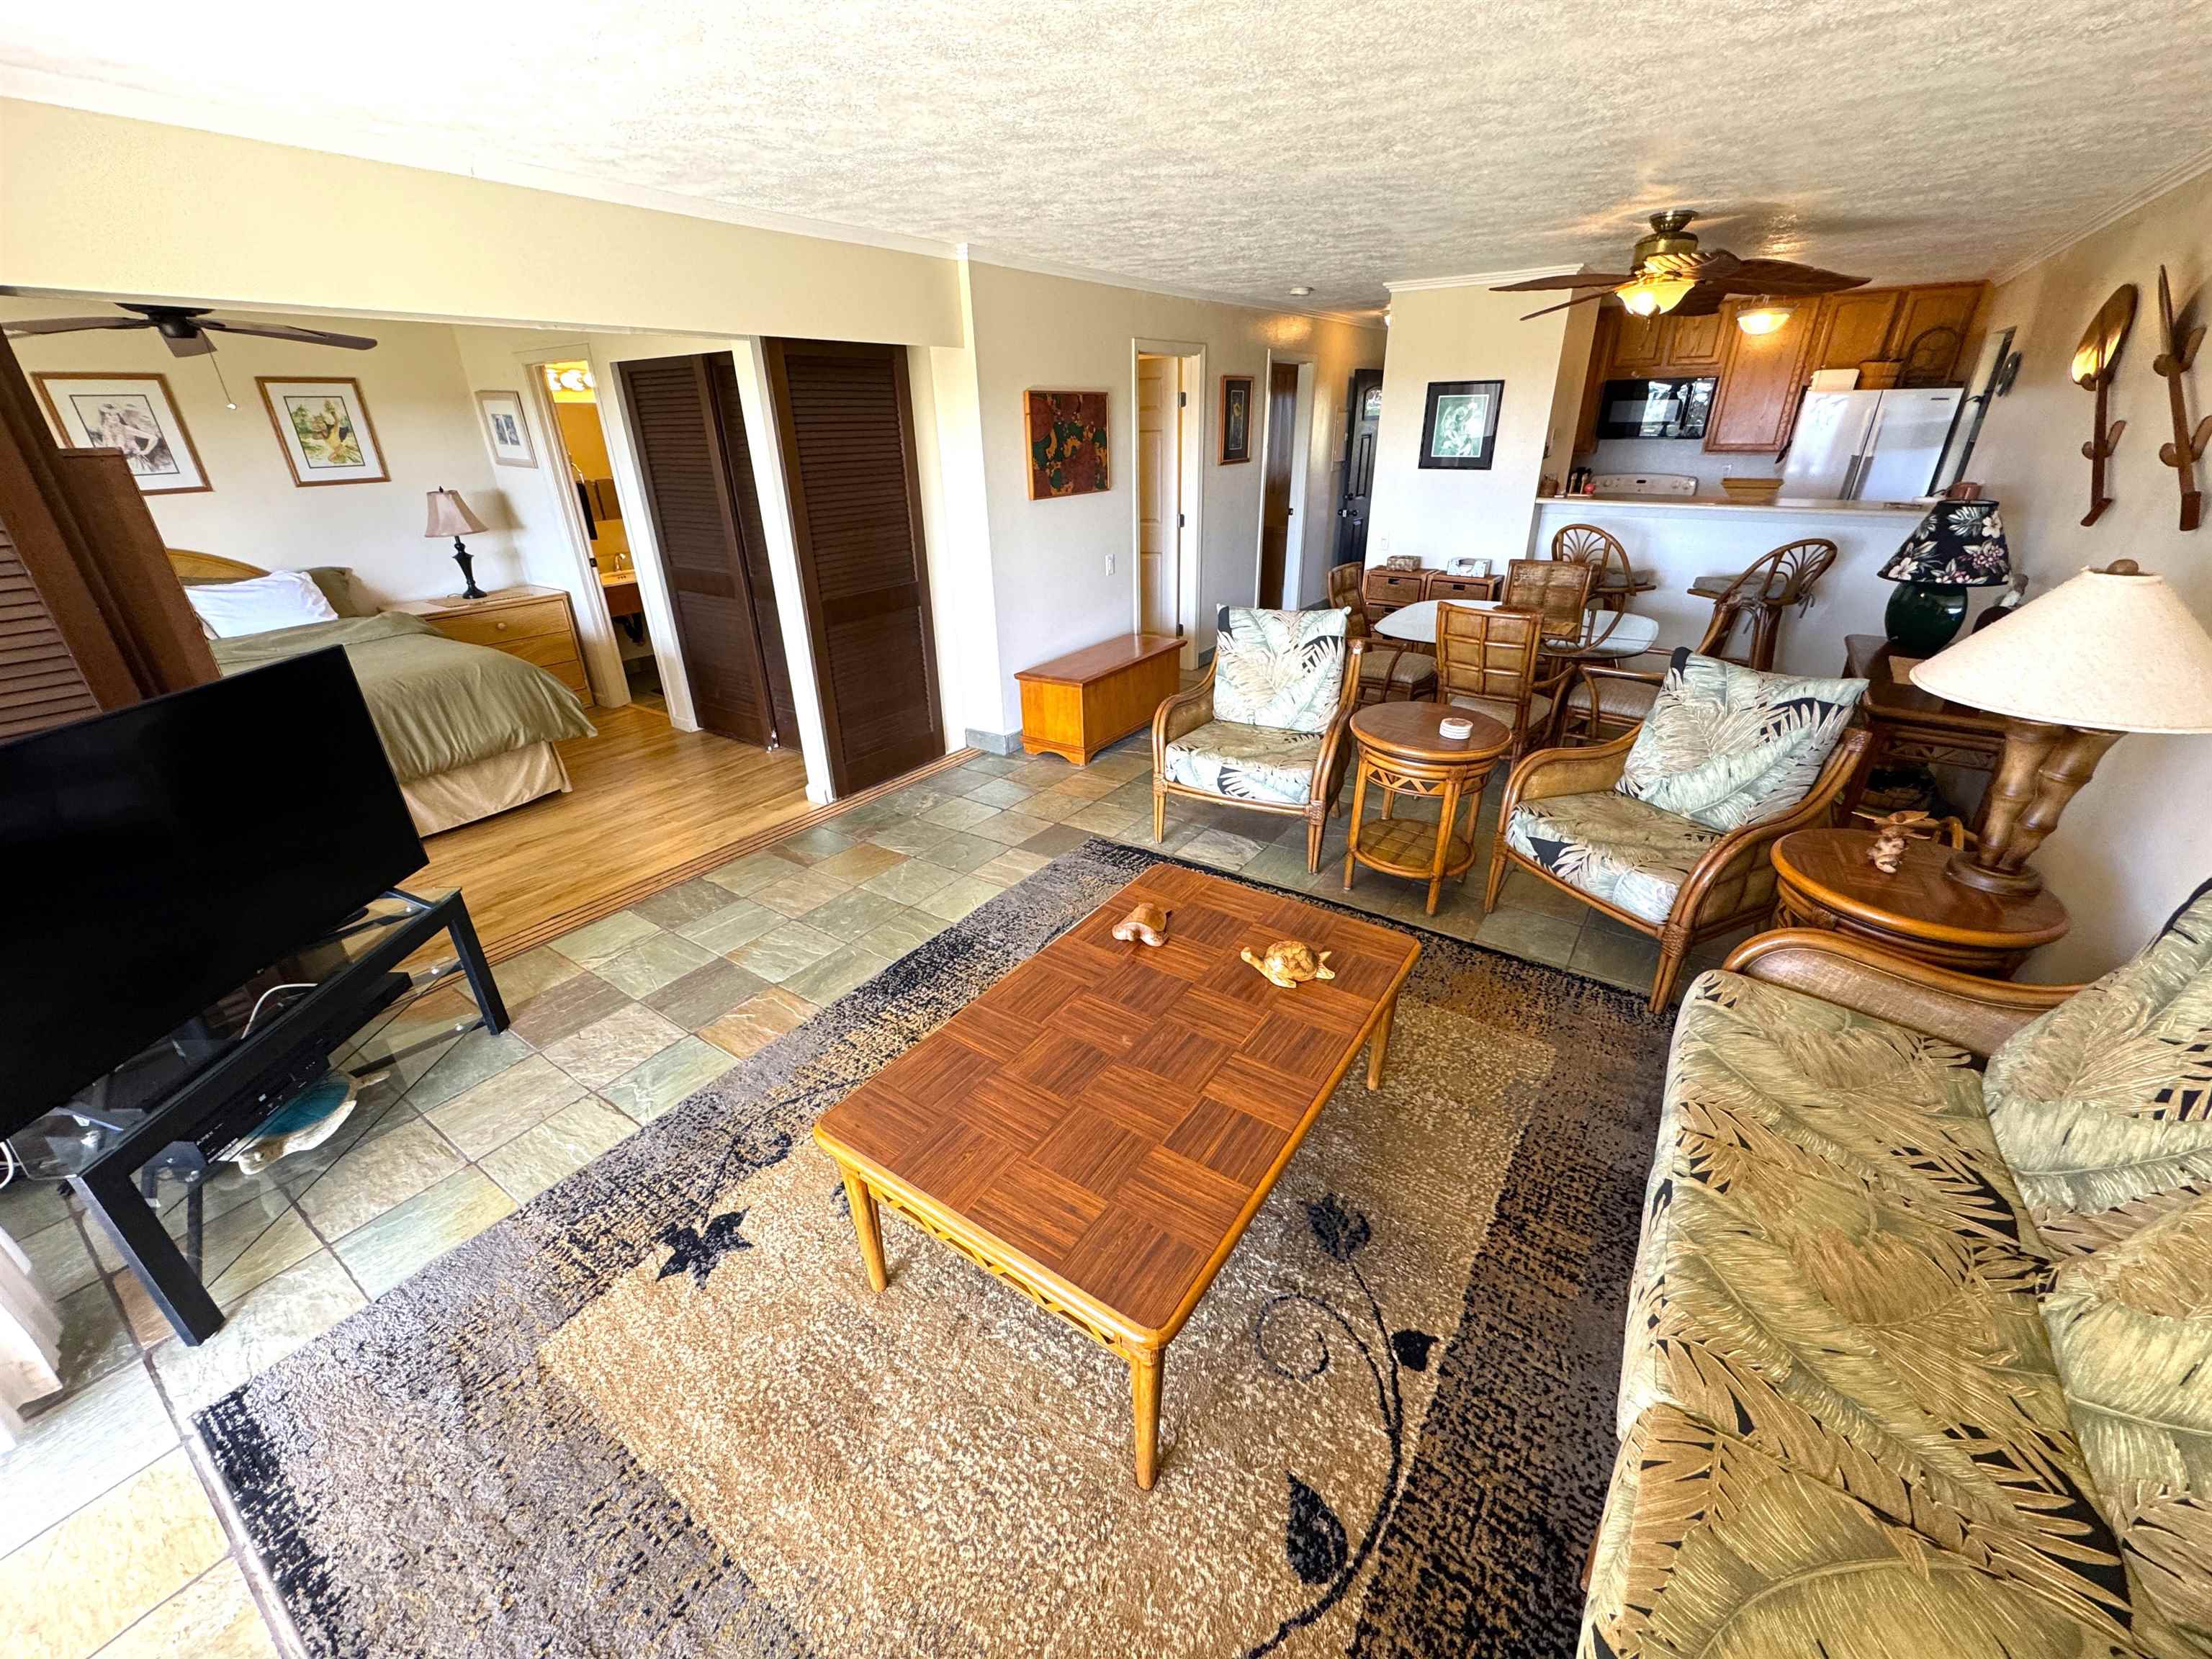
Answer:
x=324 y=429
x=133 y=413
x=1069 y=443
x=506 y=430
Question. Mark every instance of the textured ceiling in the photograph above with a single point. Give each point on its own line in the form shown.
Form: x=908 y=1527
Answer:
x=1234 y=147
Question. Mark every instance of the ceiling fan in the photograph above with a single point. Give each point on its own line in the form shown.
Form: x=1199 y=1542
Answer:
x=1669 y=272
x=185 y=331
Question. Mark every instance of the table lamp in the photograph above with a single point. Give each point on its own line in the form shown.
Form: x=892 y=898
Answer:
x=1960 y=545
x=2110 y=651
x=450 y=516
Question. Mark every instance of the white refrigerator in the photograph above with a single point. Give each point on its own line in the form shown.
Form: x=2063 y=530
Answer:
x=1869 y=445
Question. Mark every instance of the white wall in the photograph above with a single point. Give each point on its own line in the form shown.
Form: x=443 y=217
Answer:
x=2138 y=838
x=1049 y=559
x=418 y=401
x=1462 y=333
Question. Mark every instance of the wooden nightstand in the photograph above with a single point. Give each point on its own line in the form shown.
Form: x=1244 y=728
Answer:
x=1823 y=880
x=533 y=623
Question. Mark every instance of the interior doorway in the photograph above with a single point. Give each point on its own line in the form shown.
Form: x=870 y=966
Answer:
x=573 y=395
x=1277 y=587
x=1168 y=442
x=1363 y=420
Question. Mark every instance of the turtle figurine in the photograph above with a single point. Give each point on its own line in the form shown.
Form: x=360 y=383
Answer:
x=1291 y=961
x=1145 y=925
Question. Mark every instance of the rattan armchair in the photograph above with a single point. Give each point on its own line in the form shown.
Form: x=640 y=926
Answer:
x=1185 y=713
x=1730 y=883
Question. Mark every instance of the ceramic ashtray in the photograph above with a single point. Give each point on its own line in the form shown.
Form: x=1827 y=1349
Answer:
x=1455 y=728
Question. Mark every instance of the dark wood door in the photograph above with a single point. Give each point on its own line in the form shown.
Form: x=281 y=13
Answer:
x=768 y=616
x=1276 y=509
x=845 y=418
x=1363 y=419
x=691 y=449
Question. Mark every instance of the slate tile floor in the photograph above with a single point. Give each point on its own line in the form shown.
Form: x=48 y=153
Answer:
x=612 y=1025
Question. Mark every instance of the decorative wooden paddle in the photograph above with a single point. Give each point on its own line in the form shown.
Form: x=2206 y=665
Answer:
x=2093 y=361
x=2187 y=448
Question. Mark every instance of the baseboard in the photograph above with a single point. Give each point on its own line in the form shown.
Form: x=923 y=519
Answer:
x=995 y=743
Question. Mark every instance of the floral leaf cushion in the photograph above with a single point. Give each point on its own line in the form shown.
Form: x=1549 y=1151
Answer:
x=2131 y=1327
x=1279 y=668
x=1726 y=745
x=2104 y=1105
x=1611 y=847
x=1245 y=763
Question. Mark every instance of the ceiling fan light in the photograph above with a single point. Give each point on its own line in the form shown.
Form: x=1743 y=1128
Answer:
x=1649 y=296
x=1767 y=317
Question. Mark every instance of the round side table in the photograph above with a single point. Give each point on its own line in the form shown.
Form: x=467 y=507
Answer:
x=1403 y=752
x=1823 y=879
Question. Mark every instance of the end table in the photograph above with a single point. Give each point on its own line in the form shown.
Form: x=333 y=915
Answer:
x=1403 y=752
x=1824 y=879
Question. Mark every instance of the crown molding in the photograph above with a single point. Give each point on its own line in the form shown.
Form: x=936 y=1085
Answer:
x=426 y=155
x=978 y=253
x=1479 y=278
x=2172 y=179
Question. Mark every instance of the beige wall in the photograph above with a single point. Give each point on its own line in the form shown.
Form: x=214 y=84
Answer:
x=1053 y=587
x=1462 y=333
x=2138 y=839
x=418 y=401
x=98 y=205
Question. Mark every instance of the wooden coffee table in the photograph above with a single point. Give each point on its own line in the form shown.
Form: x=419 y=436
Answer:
x=1098 y=1128
x=1403 y=752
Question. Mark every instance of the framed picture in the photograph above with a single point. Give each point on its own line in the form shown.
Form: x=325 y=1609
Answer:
x=1460 y=428
x=324 y=429
x=1235 y=419
x=133 y=413
x=1068 y=441
x=505 y=428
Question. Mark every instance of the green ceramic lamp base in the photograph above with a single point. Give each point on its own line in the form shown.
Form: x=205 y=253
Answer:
x=1923 y=617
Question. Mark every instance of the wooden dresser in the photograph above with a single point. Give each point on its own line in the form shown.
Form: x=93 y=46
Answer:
x=533 y=623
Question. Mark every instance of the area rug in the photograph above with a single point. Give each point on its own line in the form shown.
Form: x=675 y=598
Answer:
x=657 y=1413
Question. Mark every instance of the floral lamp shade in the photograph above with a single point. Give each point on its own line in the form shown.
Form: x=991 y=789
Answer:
x=1958 y=545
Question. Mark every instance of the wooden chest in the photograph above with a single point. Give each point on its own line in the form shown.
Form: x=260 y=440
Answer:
x=1076 y=705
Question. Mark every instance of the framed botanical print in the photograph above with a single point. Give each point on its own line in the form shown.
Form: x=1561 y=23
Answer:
x=1069 y=442
x=324 y=429
x=1235 y=419
x=1459 y=427
x=505 y=428
x=133 y=413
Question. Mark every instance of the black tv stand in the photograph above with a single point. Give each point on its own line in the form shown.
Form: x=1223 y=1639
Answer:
x=253 y=1076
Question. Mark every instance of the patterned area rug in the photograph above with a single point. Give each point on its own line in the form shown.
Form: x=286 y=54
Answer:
x=658 y=1412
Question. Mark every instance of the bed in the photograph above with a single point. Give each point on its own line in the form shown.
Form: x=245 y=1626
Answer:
x=469 y=731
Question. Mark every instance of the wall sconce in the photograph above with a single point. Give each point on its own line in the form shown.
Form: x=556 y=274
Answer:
x=1767 y=317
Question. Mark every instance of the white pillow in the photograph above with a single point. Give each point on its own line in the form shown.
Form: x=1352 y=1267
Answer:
x=283 y=598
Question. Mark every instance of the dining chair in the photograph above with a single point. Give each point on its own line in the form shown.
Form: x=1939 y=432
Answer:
x=1387 y=668
x=1559 y=591
x=1487 y=661
x=1780 y=580
x=1612 y=581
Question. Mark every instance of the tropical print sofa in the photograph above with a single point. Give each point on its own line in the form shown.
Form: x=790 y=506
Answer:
x=1919 y=1355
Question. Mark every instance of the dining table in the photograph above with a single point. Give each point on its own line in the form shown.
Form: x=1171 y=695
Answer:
x=1606 y=635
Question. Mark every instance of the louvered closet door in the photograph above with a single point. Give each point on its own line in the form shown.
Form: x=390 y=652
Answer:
x=845 y=423
x=737 y=459
x=670 y=405
x=40 y=684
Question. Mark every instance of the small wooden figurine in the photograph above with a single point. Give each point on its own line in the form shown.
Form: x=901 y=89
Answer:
x=1290 y=962
x=1147 y=924
x=2179 y=352
x=1891 y=834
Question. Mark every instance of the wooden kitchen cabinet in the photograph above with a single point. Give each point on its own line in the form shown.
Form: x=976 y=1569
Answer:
x=1692 y=345
x=1931 y=331
x=1853 y=327
x=1639 y=346
x=1761 y=376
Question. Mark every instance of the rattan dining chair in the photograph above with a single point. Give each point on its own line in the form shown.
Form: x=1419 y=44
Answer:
x=1559 y=591
x=1487 y=661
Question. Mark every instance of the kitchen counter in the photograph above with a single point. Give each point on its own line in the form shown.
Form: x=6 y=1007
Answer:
x=1722 y=504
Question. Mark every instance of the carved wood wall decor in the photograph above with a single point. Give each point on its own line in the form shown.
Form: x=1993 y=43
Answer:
x=2178 y=351
x=2093 y=361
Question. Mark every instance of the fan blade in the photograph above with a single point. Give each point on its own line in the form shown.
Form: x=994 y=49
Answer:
x=1703 y=300
x=1579 y=299
x=71 y=325
x=188 y=345
x=1780 y=277
x=1604 y=279
x=305 y=336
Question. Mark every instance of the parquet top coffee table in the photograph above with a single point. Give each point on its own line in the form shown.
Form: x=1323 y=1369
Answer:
x=1098 y=1127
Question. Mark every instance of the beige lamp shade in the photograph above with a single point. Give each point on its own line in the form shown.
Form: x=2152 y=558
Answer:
x=450 y=515
x=2107 y=652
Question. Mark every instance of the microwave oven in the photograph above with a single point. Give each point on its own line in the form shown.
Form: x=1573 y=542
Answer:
x=1675 y=407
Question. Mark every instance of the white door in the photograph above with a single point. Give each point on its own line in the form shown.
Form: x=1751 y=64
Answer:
x=1160 y=455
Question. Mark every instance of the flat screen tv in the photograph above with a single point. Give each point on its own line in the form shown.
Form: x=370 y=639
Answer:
x=159 y=856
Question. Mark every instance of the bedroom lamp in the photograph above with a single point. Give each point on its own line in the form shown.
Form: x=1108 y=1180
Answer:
x=2110 y=651
x=1960 y=545
x=450 y=516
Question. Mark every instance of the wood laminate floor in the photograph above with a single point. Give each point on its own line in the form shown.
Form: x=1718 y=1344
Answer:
x=648 y=800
